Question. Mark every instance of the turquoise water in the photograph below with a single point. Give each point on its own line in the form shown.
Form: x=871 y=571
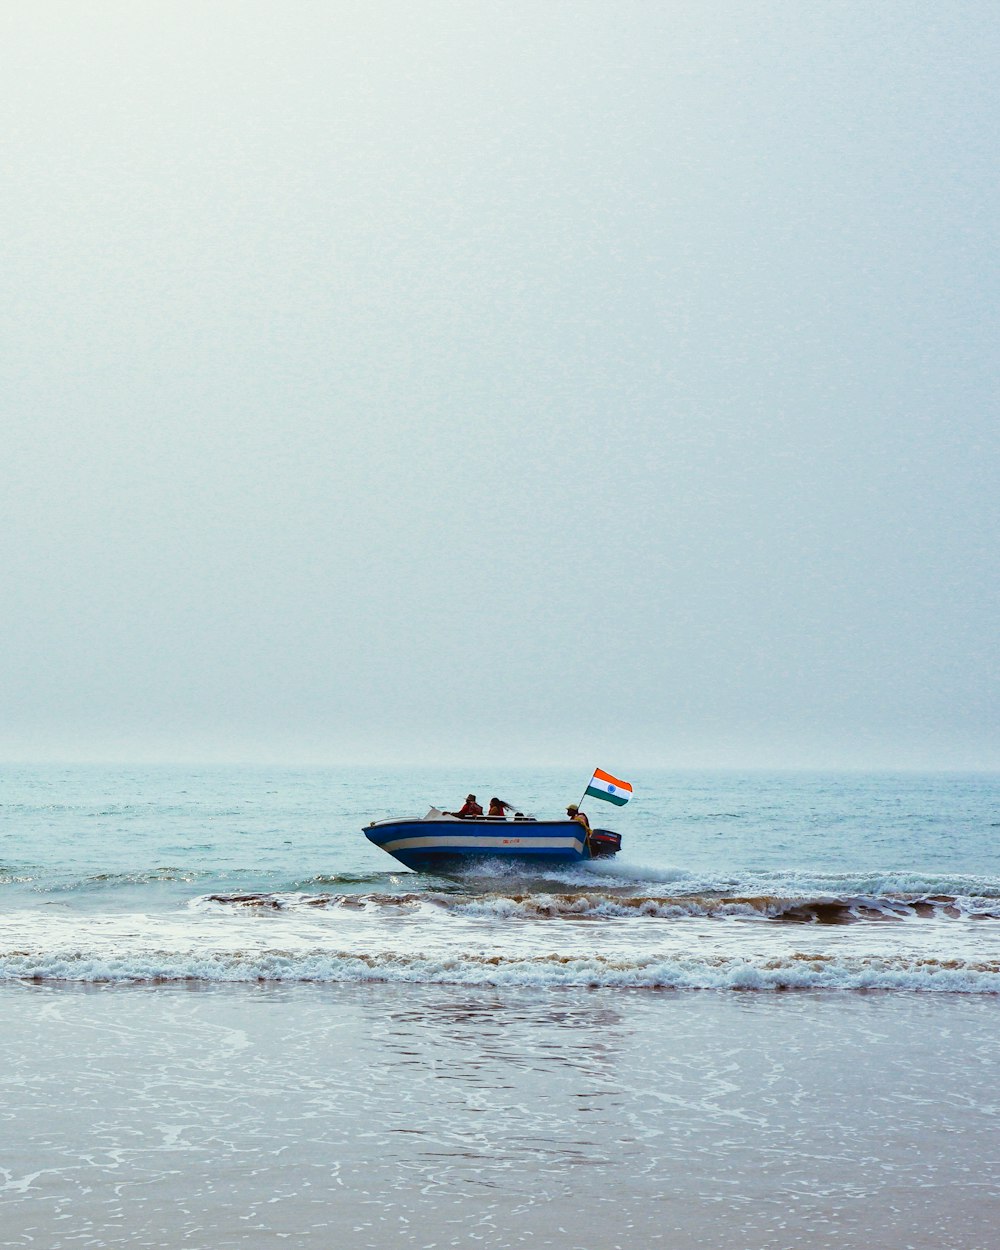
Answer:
x=725 y=880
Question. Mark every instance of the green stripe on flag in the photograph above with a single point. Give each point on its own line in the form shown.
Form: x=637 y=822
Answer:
x=619 y=800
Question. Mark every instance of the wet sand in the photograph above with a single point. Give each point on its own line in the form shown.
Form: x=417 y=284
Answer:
x=435 y=1116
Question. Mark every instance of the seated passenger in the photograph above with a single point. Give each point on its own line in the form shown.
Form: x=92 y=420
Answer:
x=470 y=808
x=498 y=807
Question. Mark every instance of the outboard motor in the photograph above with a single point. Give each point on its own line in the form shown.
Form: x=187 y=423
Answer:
x=604 y=842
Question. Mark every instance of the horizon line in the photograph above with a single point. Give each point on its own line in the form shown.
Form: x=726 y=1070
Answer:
x=477 y=765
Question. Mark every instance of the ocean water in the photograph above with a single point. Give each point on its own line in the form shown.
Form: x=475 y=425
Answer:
x=725 y=881
x=231 y=1023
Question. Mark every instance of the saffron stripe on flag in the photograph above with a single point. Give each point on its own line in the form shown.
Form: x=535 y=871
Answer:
x=601 y=775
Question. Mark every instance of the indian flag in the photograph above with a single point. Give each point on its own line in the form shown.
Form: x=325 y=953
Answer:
x=604 y=786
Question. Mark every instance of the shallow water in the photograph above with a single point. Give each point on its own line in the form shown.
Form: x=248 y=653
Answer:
x=426 y=1116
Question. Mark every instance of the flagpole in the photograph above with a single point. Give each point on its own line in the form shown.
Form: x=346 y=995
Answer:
x=585 y=789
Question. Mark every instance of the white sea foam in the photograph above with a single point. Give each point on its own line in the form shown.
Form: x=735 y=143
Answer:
x=544 y=972
x=595 y=903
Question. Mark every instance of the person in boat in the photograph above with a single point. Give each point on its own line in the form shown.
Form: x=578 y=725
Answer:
x=574 y=813
x=498 y=807
x=470 y=808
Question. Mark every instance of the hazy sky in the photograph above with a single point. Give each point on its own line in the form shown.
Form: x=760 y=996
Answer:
x=607 y=383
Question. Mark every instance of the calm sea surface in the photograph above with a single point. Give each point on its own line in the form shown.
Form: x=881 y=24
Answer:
x=725 y=880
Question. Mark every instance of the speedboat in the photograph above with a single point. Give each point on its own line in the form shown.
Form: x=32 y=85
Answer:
x=439 y=842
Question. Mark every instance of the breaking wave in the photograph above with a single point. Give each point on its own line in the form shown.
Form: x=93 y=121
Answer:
x=798 y=971
x=823 y=909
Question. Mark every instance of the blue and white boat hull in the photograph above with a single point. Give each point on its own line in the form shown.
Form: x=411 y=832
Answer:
x=448 y=844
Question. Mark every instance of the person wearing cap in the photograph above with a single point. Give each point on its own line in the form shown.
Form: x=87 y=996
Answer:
x=470 y=808
x=574 y=813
